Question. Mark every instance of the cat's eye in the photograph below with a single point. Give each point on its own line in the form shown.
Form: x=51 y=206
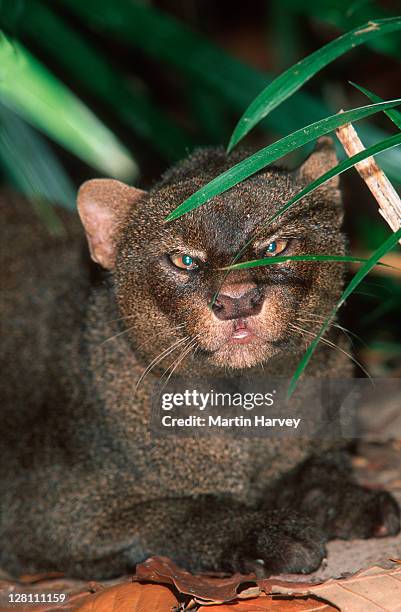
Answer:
x=185 y=262
x=275 y=247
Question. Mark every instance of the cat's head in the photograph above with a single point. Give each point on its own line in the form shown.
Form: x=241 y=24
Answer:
x=168 y=278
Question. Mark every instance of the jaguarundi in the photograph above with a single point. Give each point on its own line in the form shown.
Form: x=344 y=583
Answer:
x=85 y=488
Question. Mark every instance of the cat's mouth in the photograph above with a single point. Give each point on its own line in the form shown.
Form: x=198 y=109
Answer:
x=241 y=332
x=241 y=342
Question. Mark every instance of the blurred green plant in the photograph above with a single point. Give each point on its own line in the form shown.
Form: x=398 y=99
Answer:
x=346 y=14
x=29 y=164
x=34 y=97
x=214 y=79
x=97 y=75
x=28 y=89
x=196 y=57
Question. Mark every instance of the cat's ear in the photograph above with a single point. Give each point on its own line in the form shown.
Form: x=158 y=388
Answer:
x=322 y=158
x=103 y=204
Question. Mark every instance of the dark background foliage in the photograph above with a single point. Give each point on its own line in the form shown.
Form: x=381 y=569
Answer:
x=168 y=75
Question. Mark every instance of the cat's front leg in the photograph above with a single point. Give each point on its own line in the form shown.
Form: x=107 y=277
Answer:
x=98 y=536
x=325 y=489
x=209 y=533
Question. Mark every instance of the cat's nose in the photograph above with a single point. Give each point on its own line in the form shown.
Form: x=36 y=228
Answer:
x=232 y=305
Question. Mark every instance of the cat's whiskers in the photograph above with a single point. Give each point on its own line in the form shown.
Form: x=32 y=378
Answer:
x=193 y=344
x=197 y=347
x=165 y=353
x=121 y=333
x=163 y=331
x=331 y=344
x=308 y=332
x=120 y=319
x=182 y=350
x=321 y=319
x=128 y=329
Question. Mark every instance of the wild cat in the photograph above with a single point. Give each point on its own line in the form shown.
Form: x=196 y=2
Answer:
x=85 y=488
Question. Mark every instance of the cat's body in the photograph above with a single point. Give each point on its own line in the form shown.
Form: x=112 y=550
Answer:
x=85 y=487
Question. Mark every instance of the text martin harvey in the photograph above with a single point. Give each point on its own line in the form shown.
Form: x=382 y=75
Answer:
x=219 y=421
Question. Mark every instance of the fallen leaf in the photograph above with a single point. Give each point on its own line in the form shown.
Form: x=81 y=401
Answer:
x=265 y=602
x=162 y=570
x=130 y=596
x=293 y=587
x=371 y=590
x=74 y=589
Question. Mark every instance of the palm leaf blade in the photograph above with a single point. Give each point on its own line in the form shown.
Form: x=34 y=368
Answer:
x=30 y=90
x=384 y=248
x=272 y=153
x=296 y=76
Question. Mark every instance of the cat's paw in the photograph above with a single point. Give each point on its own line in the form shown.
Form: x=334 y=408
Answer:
x=290 y=544
x=363 y=513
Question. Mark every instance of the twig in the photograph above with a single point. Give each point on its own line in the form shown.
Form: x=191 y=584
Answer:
x=378 y=183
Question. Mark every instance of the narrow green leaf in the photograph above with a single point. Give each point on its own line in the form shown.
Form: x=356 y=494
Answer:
x=387 y=246
x=295 y=77
x=336 y=170
x=272 y=153
x=345 y=15
x=348 y=163
x=100 y=77
x=209 y=113
x=284 y=33
x=48 y=216
x=29 y=89
x=269 y=261
x=170 y=42
x=167 y=41
x=394 y=115
x=384 y=145
x=30 y=164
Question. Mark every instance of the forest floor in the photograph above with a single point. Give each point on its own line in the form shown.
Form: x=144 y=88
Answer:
x=376 y=465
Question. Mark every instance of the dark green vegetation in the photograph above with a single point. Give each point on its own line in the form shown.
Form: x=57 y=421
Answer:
x=86 y=82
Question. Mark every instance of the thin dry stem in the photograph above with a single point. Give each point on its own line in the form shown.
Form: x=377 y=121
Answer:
x=374 y=177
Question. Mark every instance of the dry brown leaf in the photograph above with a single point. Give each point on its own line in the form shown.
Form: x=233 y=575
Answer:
x=73 y=589
x=265 y=602
x=76 y=592
x=162 y=570
x=130 y=596
x=207 y=590
x=269 y=585
x=372 y=590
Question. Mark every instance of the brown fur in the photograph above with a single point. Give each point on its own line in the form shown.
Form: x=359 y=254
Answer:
x=85 y=488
